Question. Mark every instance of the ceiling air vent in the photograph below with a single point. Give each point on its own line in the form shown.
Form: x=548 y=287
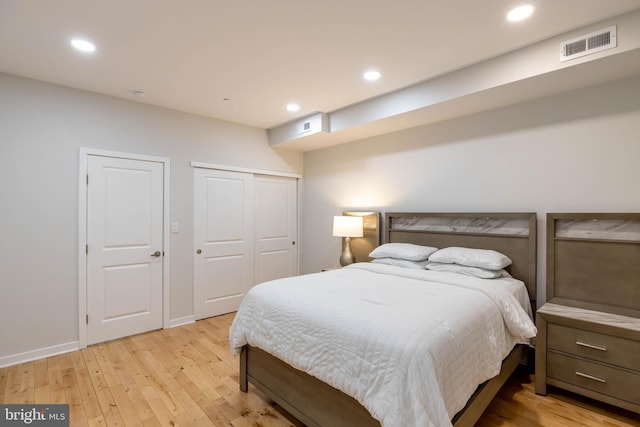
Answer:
x=588 y=44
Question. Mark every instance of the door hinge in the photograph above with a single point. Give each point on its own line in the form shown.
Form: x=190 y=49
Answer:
x=87 y=319
x=87 y=179
x=86 y=249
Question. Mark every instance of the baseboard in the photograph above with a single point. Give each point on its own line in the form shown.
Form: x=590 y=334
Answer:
x=182 y=321
x=40 y=353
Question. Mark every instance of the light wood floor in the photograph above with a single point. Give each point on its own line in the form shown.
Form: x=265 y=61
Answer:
x=187 y=376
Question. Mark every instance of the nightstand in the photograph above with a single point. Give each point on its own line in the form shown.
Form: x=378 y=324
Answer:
x=589 y=330
x=593 y=353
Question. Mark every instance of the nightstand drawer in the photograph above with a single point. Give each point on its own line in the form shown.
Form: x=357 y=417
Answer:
x=592 y=345
x=603 y=379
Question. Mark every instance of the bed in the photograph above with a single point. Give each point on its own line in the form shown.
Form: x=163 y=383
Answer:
x=347 y=380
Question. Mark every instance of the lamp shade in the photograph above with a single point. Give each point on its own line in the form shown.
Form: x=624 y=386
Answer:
x=347 y=226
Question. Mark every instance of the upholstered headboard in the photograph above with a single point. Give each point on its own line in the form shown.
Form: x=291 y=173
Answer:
x=513 y=234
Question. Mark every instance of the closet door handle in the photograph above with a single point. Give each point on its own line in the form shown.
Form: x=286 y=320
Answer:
x=156 y=254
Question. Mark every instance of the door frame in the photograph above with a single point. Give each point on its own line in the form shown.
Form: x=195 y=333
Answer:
x=82 y=233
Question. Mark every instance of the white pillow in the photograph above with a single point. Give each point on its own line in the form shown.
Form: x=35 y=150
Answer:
x=403 y=251
x=481 y=258
x=401 y=262
x=482 y=273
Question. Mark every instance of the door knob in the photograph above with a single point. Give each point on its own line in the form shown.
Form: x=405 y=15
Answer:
x=156 y=254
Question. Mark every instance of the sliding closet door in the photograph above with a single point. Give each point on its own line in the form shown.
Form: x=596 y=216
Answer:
x=223 y=239
x=245 y=232
x=276 y=225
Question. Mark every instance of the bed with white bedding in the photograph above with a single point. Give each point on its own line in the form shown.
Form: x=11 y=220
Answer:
x=374 y=343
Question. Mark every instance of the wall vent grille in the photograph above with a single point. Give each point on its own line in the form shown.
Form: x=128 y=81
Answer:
x=587 y=44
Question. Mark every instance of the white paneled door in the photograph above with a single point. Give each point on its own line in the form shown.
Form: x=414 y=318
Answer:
x=245 y=232
x=124 y=247
x=276 y=231
x=223 y=237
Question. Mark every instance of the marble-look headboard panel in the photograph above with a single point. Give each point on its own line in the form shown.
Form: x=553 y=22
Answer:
x=513 y=234
x=599 y=229
x=483 y=225
x=593 y=261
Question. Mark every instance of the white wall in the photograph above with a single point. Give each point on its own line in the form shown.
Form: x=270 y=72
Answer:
x=577 y=152
x=573 y=152
x=42 y=127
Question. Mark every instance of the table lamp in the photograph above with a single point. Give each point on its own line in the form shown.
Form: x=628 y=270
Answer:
x=347 y=227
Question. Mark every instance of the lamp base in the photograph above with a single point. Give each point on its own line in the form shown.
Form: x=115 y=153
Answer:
x=346 y=257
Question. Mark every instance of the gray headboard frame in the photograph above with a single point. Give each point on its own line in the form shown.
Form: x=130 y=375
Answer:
x=593 y=261
x=513 y=234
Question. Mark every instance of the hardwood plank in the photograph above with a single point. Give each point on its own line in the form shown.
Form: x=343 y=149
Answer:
x=77 y=415
x=186 y=376
x=4 y=373
x=189 y=409
x=12 y=387
x=56 y=386
x=154 y=373
x=152 y=395
x=27 y=383
x=92 y=408
x=201 y=382
x=107 y=410
x=99 y=422
x=118 y=377
x=41 y=382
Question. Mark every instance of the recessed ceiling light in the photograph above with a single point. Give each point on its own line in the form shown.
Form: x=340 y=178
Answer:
x=293 y=107
x=83 y=45
x=372 y=75
x=519 y=13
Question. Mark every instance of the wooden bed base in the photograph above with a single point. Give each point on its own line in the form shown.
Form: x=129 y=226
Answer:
x=315 y=403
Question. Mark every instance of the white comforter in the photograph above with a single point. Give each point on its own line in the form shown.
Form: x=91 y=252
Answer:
x=410 y=345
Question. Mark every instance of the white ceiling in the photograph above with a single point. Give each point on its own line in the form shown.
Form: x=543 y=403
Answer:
x=190 y=55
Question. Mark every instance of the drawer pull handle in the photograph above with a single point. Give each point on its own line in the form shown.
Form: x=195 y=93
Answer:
x=591 y=346
x=590 y=377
